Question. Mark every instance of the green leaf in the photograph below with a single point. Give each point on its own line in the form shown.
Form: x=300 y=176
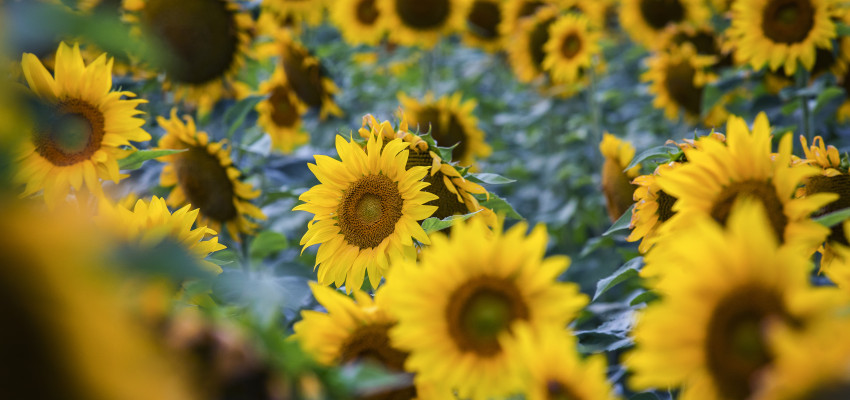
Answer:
x=711 y=94
x=435 y=224
x=645 y=297
x=223 y=257
x=236 y=114
x=138 y=157
x=833 y=218
x=791 y=106
x=842 y=29
x=622 y=223
x=446 y=152
x=629 y=270
x=267 y=243
x=826 y=96
x=650 y=153
x=500 y=206
x=486 y=177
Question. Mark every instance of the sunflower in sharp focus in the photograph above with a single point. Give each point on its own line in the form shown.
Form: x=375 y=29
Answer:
x=205 y=43
x=551 y=367
x=451 y=122
x=454 y=193
x=646 y=20
x=367 y=25
x=465 y=294
x=280 y=114
x=421 y=23
x=779 y=33
x=653 y=207
x=310 y=11
x=205 y=177
x=617 y=184
x=81 y=126
x=526 y=45
x=709 y=333
x=365 y=210
x=570 y=50
x=482 y=25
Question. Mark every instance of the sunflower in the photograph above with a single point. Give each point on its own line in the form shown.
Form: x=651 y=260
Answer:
x=708 y=333
x=78 y=138
x=653 y=207
x=280 y=114
x=296 y=11
x=594 y=11
x=514 y=11
x=365 y=211
x=149 y=222
x=570 y=50
x=205 y=41
x=703 y=38
x=482 y=25
x=716 y=174
x=646 y=20
x=526 y=45
x=465 y=293
x=844 y=111
x=616 y=183
x=366 y=27
x=205 y=177
x=779 y=33
x=454 y=193
x=551 y=368
x=421 y=23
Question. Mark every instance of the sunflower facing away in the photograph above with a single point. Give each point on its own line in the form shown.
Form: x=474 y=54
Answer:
x=205 y=41
x=465 y=293
x=570 y=49
x=482 y=25
x=451 y=122
x=709 y=332
x=367 y=25
x=76 y=142
x=646 y=20
x=366 y=209
x=205 y=177
x=779 y=33
x=421 y=23
x=280 y=114
x=616 y=184
x=526 y=44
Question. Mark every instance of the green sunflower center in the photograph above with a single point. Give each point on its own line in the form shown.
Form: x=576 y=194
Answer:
x=660 y=13
x=480 y=310
x=200 y=36
x=305 y=78
x=736 y=347
x=484 y=19
x=367 y=13
x=665 y=206
x=423 y=15
x=834 y=391
x=679 y=83
x=555 y=390
x=206 y=184
x=369 y=211
x=761 y=190
x=832 y=184
x=72 y=132
x=571 y=46
x=537 y=41
x=788 y=21
x=284 y=113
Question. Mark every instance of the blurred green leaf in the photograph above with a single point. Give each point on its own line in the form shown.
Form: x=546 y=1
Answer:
x=223 y=257
x=651 y=153
x=645 y=297
x=435 y=224
x=138 y=157
x=490 y=178
x=827 y=96
x=267 y=243
x=235 y=116
x=622 y=223
x=833 y=218
x=500 y=206
x=628 y=270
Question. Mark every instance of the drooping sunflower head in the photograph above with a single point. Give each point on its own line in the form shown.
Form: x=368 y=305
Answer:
x=280 y=113
x=677 y=79
x=482 y=25
x=527 y=44
x=421 y=23
x=205 y=177
x=366 y=209
x=79 y=128
x=359 y=21
x=205 y=43
x=723 y=305
x=616 y=184
x=451 y=323
x=570 y=49
x=646 y=20
x=781 y=33
x=451 y=123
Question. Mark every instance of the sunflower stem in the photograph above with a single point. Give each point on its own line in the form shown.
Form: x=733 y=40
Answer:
x=596 y=133
x=802 y=83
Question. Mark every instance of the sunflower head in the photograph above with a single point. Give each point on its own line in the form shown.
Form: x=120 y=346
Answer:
x=295 y=12
x=280 y=113
x=570 y=49
x=677 y=79
x=306 y=76
x=482 y=25
x=527 y=44
x=653 y=207
x=359 y=21
x=616 y=184
x=419 y=23
x=646 y=20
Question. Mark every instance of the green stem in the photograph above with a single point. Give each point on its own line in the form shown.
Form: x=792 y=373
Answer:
x=802 y=83
x=595 y=112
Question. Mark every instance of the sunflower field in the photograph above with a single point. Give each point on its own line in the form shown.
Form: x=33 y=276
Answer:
x=425 y=199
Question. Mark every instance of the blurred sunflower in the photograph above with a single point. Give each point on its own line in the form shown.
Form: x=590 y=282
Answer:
x=717 y=174
x=779 y=33
x=454 y=193
x=616 y=183
x=594 y=11
x=205 y=177
x=367 y=25
x=646 y=20
x=205 y=44
x=570 y=49
x=279 y=114
x=550 y=366
x=451 y=323
x=482 y=25
x=703 y=38
x=526 y=45
x=451 y=123
x=296 y=11
x=421 y=23
x=843 y=113
x=514 y=11
x=80 y=127
x=720 y=304
x=365 y=210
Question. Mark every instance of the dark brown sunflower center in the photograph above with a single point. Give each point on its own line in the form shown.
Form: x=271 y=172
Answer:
x=200 y=36
x=447 y=202
x=835 y=391
x=665 y=206
x=735 y=343
x=704 y=42
x=480 y=310
x=447 y=133
x=304 y=78
x=367 y=13
x=72 y=133
x=824 y=61
x=788 y=21
x=484 y=19
x=369 y=211
x=659 y=13
x=832 y=184
x=528 y=8
x=555 y=390
x=679 y=83
x=423 y=15
x=761 y=190
x=284 y=113
x=537 y=41
x=571 y=46
x=206 y=184
x=371 y=343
